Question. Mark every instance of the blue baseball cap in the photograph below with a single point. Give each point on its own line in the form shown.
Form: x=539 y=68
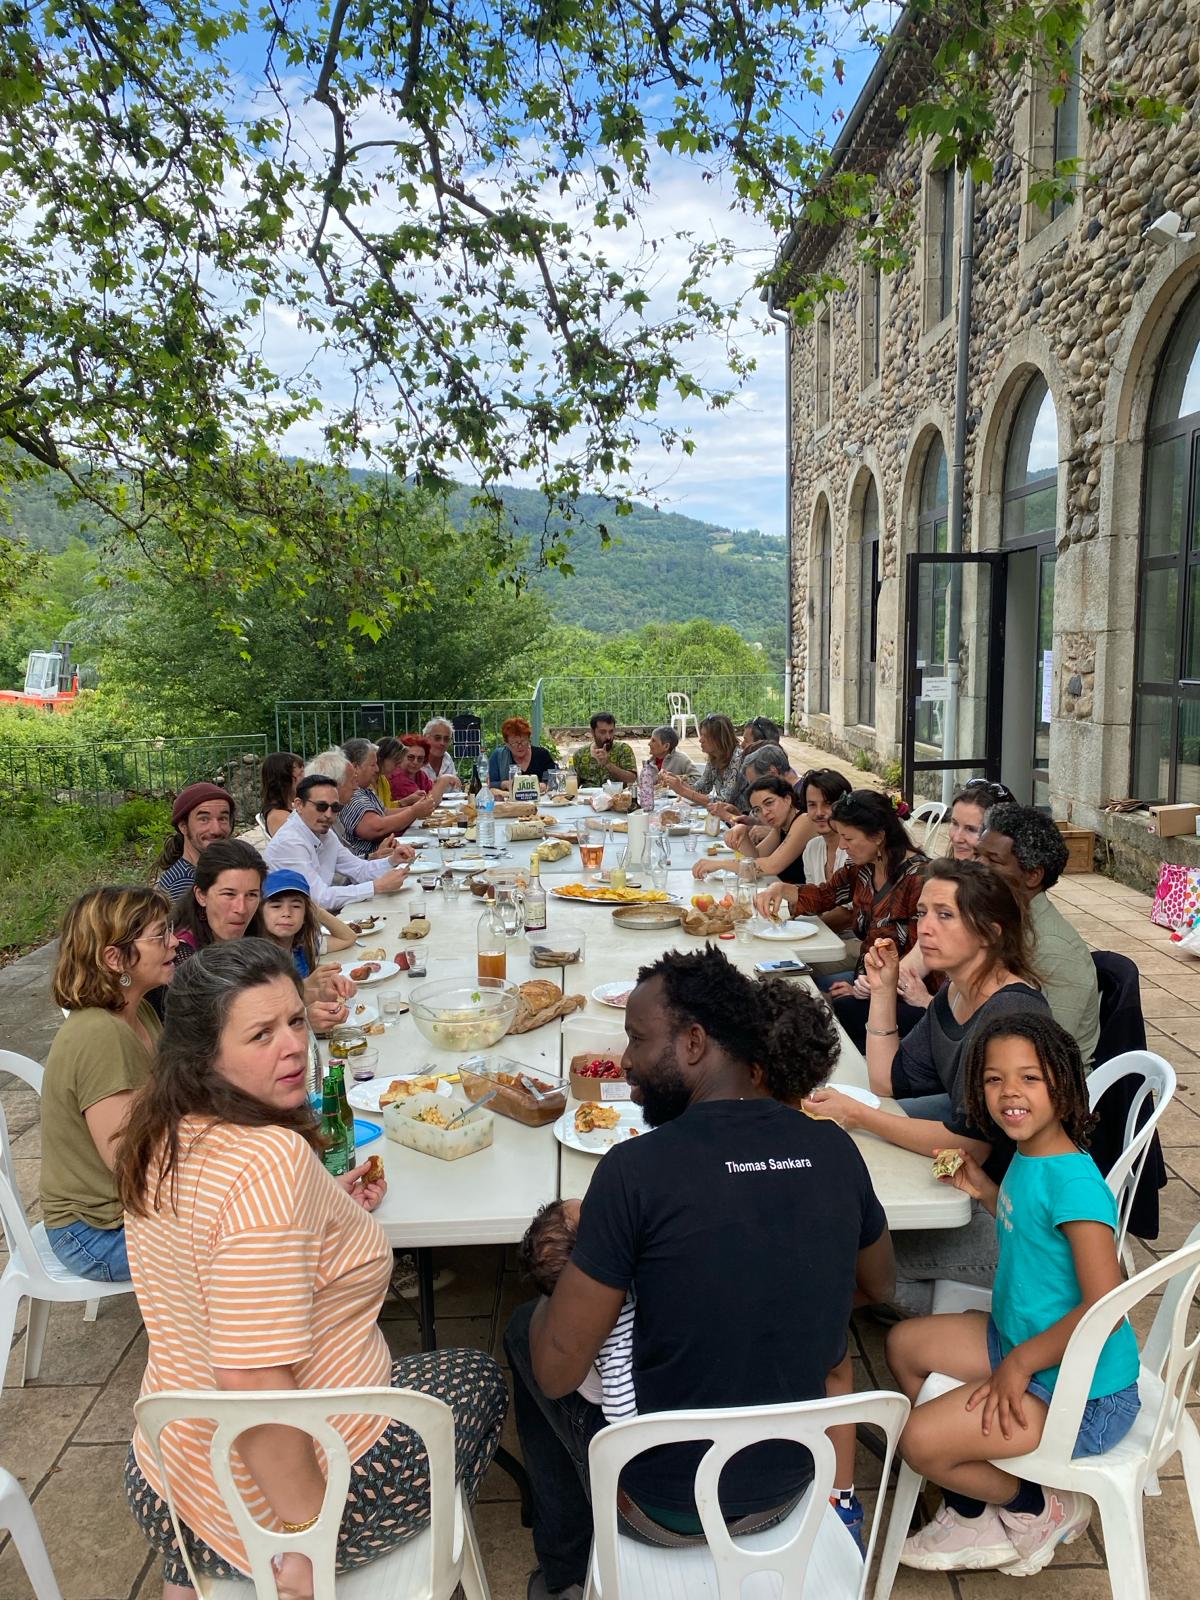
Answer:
x=284 y=882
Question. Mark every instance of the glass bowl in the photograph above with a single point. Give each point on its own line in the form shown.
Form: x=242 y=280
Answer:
x=464 y=1013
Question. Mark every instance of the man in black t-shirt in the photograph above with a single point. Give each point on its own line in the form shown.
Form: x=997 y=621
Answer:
x=745 y=1232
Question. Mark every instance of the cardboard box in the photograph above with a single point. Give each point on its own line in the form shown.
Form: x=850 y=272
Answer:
x=597 y=1088
x=1169 y=821
x=1081 y=848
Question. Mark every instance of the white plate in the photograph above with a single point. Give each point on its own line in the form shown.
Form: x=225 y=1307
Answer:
x=855 y=1093
x=467 y=864
x=602 y=1139
x=387 y=969
x=365 y=1096
x=614 y=994
x=360 y=1011
x=788 y=933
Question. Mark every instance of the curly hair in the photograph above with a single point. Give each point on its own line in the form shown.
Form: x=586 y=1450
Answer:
x=113 y=914
x=1036 y=841
x=777 y=1026
x=546 y=1247
x=1060 y=1061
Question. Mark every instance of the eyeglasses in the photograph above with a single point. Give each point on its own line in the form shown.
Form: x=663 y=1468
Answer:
x=164 y=938
x=322 y=806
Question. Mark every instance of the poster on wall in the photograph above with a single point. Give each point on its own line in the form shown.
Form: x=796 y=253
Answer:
x=1047 y=681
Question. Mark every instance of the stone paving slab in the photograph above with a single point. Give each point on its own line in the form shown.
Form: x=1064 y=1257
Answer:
x=65 y=1435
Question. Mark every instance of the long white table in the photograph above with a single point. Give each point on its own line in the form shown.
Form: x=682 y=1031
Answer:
x=491 y=1196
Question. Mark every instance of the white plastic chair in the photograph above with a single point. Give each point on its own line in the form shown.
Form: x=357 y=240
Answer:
x=680 y=706
x=932 y=813
x=1119 y=1478
x=16 y=1514
x=810 y=1553
x=429 y=1566
x=1158 y=1080
x=35 y=1273
x=23 y=1067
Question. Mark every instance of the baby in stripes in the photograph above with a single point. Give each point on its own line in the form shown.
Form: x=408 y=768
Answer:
x=544 y=1252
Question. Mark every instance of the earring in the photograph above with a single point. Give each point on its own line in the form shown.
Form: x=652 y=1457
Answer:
x=125 y=980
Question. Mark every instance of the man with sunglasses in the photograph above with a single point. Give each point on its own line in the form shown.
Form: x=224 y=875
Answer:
x=306 y=843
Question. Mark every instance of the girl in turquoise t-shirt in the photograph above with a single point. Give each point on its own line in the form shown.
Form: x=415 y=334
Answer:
x=1056 y=1222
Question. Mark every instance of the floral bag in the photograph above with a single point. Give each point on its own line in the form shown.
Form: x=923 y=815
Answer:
x=1177 y=897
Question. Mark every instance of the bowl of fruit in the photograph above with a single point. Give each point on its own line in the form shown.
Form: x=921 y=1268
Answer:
x=598 y=1075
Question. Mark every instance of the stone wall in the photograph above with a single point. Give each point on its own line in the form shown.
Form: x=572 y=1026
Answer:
x=1082 y=298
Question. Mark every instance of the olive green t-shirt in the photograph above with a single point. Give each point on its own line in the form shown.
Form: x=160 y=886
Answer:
x=95 y=1054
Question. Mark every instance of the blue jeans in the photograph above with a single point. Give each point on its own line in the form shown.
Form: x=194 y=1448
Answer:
x=1106 y=1419
x=95 y=1253
x=826 y=980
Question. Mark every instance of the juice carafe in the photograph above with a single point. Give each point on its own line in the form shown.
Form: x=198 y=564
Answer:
x=491 y=946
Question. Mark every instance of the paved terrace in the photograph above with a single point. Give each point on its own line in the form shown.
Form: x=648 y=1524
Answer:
x=65 y=1436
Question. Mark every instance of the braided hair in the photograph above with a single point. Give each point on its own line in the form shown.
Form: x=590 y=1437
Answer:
x=1059 y=1058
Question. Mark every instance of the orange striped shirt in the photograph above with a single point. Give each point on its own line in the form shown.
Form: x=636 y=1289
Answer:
x=263 y=1262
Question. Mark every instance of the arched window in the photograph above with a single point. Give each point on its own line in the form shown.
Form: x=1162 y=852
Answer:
x=1030 y=524
x=933 y=521
x=1166 y=759
x=822 y=607
x=868 y=605
x=1031 y=470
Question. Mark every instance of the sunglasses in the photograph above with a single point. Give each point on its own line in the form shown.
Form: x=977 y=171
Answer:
x=997 y=793
x=322 y=806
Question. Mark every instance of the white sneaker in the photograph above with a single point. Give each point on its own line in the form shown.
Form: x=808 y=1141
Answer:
x=1036 y=1538
x=404 y=1278
x=953 y=1543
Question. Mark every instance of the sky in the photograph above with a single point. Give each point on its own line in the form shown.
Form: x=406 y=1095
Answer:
x=736 y=475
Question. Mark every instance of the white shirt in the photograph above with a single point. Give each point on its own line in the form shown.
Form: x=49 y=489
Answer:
x=446 y=770
x=609 y=1384
x=813 y=859
x=295 y=845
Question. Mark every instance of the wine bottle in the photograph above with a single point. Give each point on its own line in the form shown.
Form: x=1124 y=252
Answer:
x=535 y=898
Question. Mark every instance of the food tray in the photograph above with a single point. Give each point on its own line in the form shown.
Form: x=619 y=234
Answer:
x=474 y=1133
x=647 y=916
x=513 y=1100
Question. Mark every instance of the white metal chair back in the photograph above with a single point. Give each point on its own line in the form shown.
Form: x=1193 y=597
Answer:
x=1117 y=1479
x=432 y=1563
x=16 y=1514
x=17 y=1234
x=23 y=1067
x=786 y=1560
x=1158 y=1082
x=932 y=813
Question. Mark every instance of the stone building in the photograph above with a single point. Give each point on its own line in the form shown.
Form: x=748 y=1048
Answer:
x=1078 y=665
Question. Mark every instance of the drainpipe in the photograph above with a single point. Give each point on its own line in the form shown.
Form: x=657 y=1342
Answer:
x=786 y=321
x=957 y=484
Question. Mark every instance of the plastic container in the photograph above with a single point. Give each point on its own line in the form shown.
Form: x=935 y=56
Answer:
x=512 y=1100
x=464 y=1013
x=556 y=947
x=401 y=1122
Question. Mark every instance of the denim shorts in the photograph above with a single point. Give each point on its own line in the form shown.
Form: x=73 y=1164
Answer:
x=95 y=1253
x=1106 y=1419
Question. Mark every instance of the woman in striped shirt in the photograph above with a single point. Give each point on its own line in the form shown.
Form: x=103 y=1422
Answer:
x=255 y=1269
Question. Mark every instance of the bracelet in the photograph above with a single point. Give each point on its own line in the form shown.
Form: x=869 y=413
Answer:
x=883 y=1033
x=298 y=1527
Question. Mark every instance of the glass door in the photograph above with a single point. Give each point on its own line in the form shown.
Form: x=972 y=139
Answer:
x=954 y=653
x=1043 y=708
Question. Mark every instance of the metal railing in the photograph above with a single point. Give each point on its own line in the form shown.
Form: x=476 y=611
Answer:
x=308 y=726
x=107 y=773
x=641 y=702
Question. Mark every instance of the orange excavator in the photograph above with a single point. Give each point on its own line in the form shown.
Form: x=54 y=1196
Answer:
x=51 y=680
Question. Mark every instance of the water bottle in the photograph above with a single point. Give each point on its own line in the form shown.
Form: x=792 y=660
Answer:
x=646 y=782
x=485 y=816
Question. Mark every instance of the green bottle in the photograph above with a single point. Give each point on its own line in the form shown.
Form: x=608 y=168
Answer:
x=344 y=1107
x=337 y=1155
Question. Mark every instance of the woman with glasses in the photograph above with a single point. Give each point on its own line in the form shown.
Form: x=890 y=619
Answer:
x=777 y=849
x=117 y=945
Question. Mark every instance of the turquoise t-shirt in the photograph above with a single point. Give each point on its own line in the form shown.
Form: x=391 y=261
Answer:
x=1036 y=1283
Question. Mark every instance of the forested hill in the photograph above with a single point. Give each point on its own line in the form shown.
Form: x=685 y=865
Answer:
x=661 y=567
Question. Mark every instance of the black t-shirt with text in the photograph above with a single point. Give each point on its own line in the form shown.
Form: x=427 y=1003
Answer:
x=737 y=1227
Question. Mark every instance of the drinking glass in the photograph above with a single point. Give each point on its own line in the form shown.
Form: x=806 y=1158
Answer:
x=691 y=842
x=511 y=912
x=591 y=843
x=658 y=874
x=416 y=904
x=393 y=1008
x=450 y=888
